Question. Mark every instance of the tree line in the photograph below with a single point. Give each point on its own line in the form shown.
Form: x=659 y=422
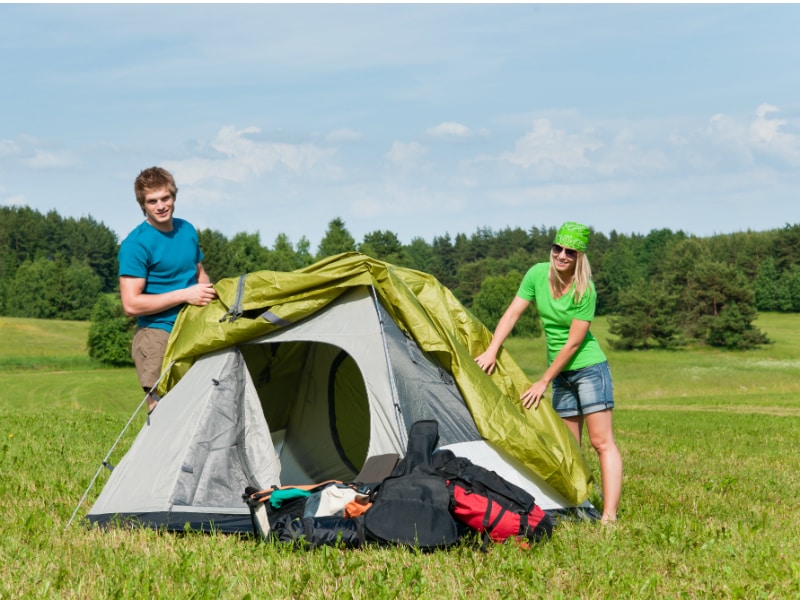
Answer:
x=663 y=288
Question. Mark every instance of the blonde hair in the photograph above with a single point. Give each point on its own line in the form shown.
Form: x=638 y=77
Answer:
x=581 y=279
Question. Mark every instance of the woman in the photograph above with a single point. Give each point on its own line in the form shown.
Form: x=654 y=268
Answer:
x=578 y=369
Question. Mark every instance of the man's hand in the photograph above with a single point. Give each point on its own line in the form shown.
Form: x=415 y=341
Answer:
x=200 y=294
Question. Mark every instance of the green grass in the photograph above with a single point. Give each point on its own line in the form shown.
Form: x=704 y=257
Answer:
x=36 y=345
x=710 y=501
x=699 y=378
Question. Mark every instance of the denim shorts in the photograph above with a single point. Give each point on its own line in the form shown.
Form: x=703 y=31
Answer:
x=583 y=391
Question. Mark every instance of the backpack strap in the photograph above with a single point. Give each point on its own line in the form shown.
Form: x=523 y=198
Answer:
x=490 y=525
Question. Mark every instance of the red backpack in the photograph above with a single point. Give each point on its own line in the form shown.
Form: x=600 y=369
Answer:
x=489 y=504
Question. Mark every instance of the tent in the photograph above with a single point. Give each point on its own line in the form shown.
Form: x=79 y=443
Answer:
x=301 y=377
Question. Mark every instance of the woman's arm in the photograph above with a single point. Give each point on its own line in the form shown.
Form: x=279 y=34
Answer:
x=577 y=333
x=488 y=359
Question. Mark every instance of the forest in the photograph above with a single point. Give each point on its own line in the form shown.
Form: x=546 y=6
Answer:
x=663 y=288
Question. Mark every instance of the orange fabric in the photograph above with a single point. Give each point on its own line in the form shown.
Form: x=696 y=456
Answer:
x=356 y=507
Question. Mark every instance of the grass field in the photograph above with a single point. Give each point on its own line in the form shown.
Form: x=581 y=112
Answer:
x=710 y=503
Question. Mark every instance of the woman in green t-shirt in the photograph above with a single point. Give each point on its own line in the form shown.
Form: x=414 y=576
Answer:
x=577 y=367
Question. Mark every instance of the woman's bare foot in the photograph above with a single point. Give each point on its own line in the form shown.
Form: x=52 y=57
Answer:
x=608 y=520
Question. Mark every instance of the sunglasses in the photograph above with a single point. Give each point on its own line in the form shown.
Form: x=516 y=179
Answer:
x=568 y=251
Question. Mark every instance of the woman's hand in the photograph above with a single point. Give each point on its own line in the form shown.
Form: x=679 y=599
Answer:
x=487 y=361
x=533 y=395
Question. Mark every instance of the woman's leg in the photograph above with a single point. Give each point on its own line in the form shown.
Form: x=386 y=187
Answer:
x=575 y=425
x=601 y=435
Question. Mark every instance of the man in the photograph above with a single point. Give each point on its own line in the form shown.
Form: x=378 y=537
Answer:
x=160 y=270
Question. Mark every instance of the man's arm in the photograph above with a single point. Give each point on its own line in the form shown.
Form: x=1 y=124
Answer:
x=136 y=303
x=202 y=276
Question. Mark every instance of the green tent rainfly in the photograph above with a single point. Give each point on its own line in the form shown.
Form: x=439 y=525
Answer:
x=262 y=302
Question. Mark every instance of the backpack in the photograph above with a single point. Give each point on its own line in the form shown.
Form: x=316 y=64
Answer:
x=489 y=504
x=313 y=532
x=411 y=507
x=273 y=510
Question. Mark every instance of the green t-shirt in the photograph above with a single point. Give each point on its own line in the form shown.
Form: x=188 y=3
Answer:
x=557 y=316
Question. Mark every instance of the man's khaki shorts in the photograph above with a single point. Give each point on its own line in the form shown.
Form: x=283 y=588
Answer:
x=147 y=350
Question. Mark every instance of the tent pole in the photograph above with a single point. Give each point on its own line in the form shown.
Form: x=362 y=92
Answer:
x=392 y=383
x=105 y=463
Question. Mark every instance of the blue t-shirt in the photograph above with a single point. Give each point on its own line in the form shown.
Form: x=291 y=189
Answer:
x=167 y=261
x=557 y=315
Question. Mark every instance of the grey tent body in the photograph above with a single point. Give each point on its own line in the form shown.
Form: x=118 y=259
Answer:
x=304 y=404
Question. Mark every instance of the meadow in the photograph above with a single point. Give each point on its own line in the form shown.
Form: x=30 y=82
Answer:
x=710 y=441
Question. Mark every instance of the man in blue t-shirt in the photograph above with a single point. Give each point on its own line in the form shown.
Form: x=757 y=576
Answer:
x=160 y=270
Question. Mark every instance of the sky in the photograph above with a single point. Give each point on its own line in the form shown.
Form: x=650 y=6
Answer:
x=419 y=119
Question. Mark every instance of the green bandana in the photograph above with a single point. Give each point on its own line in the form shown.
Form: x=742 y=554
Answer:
x=573 y=235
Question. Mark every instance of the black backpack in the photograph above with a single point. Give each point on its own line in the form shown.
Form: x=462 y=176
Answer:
x=412 y=506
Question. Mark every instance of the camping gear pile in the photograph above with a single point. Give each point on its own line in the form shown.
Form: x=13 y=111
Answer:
x=429 y=500
x=292 y=379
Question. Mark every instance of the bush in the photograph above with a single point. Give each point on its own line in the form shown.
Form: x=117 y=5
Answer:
x=494 y=296
x=110 y=332
x=733 y=330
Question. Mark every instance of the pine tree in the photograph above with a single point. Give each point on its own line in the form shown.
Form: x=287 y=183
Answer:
x=645 y=317
x=336 y=240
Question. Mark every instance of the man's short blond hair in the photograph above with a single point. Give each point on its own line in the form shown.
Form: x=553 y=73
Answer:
x=153 y=178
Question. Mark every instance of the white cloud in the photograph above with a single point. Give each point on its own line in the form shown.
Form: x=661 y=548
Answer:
x=764 y=130
x=610 y=150
x=33 y=157
x=32 y=153
x=204 y=197
x=677 y=139
x=546 y=149
x=769 y=136
x=43 y=159
x=242 y=158
x=17 y=200
x=751 y=142
x=729 y=140
x=406 y=154
x=762 y=110
x=449 y=130
x=626 y=154
x=640 y=149
x=9 y=148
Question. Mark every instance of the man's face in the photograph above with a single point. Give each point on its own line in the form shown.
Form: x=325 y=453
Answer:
x=158 y=207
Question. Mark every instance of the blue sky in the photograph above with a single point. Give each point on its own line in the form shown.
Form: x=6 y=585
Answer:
x=414 y=118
